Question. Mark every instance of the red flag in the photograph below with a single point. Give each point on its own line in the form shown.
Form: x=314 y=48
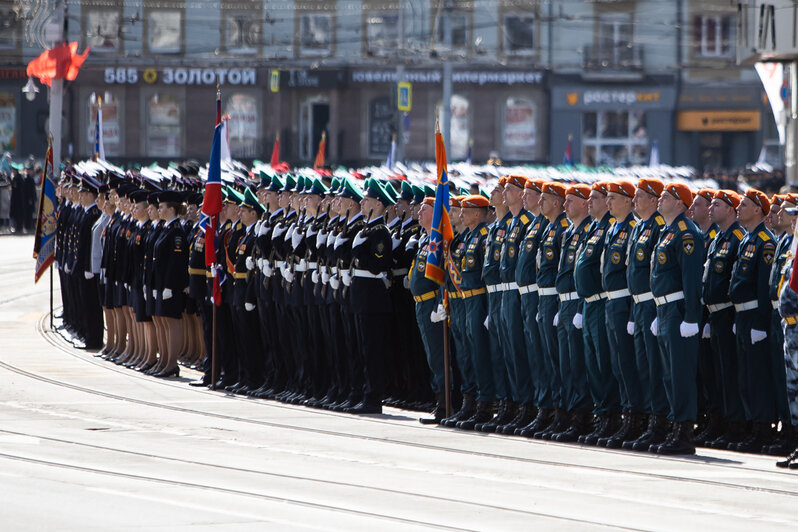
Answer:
x=276 y=153
x=212 y=201
x=319 y=162
x=61 y=62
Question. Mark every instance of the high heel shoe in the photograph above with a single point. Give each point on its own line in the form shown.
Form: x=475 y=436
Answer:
x=145 y=368
x=174 y=372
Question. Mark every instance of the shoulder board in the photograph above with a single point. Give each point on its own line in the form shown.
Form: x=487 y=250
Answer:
x=564 y=222
x=660 y=220
x=524 y=219
x=507 y=222
x=586 y=229
x=483 y=231
x=632 y=222
x=712 y=233
x=682 y=226
x=738 y=233
x=764 y=236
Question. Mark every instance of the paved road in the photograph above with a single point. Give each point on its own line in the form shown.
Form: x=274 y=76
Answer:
x=86 y=445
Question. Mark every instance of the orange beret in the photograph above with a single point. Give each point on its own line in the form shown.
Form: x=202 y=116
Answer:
x=454 y=201
x=429 y=200
x=517 y=180
x=729 y=196
x=681 y=192
x=601 y=186
x=554 y=188
x=535 y=184
x=792 y=198
x=759 y=198
x=580 y=191
x=502 y=180
x=777 y=199
x=624 y=188
x=707 y=194
x=651 y=185
x=474 y=201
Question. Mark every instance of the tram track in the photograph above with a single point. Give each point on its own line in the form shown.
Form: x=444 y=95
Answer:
x=394 y=441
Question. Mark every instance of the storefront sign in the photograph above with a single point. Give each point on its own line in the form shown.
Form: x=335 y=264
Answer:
x=313 y=79
x=475 y=77
x=581 y=98
x=182 y=76
x=10 y=73
x=718 y=120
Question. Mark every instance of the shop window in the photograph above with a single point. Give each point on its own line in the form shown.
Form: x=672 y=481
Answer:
x=382 y=33
x=520 y=132
x=714 y=35
x=381 y=126
x=243 y=125
x=460 y=129
x=9 y=33
x=8 y=122
x=519 y=34
x=111 y=131
x=103 y=30
x=164 y=129
x=459 y=21
x=315 y=34
x=614 y=138
x=242 y=33
x=165 y=31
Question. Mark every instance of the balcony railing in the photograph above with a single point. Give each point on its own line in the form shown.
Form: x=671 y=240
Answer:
x=617 y=58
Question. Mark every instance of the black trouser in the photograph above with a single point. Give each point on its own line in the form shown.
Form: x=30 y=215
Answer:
x=352 y=356
x=226 y=347
x=371 y=330
x=250 y=359
x=91 y=313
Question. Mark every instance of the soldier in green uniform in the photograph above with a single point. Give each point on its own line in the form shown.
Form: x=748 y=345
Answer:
x=676 y=286
x=721 y=256
x=749 y=291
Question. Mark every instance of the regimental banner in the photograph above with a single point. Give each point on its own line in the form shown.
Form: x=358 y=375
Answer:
x=44 y=240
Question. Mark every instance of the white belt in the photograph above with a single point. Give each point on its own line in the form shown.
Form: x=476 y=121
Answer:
x=528 y=288
x=400 y=271
x=368 y=275
x=719 y=306
x=494 y=288
x=570 y=296
x=509 y=286
x=775 y=303
x=748 y=305
x=548 y=291
x=334 y=269
x=312 y=265
x=669 y=298
x=595 y=297
x=617 y=294
x=641 y=298
x=278 y=264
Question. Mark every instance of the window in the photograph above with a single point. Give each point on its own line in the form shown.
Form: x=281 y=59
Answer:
x=111 y=130
x=381 y=126
x=459 y=22
x=242 y=33
x=519 y=34
x=164 y=132
x=460 y=132
x=614 y=138
x=382 y=33
x=103 y=31
x=243 y=125
x=714 y=36
x=165 y=31
x=519 y=134
x=615 y=38
x=8 y=28
x=315 y=34
x=8 y=122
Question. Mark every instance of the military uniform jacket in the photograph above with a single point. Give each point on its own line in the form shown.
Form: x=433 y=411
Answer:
x=170 y=259
x=197 y=272
x=82 y=262
x=408 y=233
x=243 y=278
x=457 y=249
x=342 y=252
x=371 y=251
x=572 y=241
x=644 y=239
x=549 y=253
x=512 y=242
x=721 y=256
x=420 y=285
x=136 y=255
x=588 y=267
x=526 y=270
x=473 y=258
x=61 y=227
x=615 y=259
x=782 y=257
x=677 y=264
x=751 y=274
x=709 y=236
x=496 y=235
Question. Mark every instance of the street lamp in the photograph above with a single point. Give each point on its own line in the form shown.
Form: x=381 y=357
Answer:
x=31 y=90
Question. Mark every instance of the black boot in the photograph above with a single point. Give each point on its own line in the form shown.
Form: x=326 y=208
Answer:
x=735 y=433
x=682 y=442
x=467 y=409
x=621 y=435
x=541 y=421
x=502 y=417
x=483 y=414
x=784 y=444
x=714 y=428
x=525 y=415
x=760 y=433
x=502 y=406
x=655 y=434
x=439 y=413
x=578 y=427
x=788 y=462
x=558 y=424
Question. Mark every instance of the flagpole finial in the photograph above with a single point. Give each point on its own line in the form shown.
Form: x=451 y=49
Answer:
x=437 y=126
x=570 y=136
x=323 y=135
x=278 y=136
x=218 y=91
x=100 y=101
x=393 y=137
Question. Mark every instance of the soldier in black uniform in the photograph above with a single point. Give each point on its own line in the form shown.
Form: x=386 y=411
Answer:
x=87 y=284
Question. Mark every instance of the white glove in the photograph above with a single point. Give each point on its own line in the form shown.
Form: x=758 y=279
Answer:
x=57 y=266
x=437 y=315
x=314 y=277
x=406 y=282
x=688 y=329
x=325 y=277
x=212 y=301
x=259 y=263
x=346 y=277
x=734 y=329
x=262 y=229
x=578 y=320
x=556 y=319
x=706 y=332
x=67 y=269
x=486 y=323
x=102 y=270
x=630 y=328
x=654 y=329
x=249 y=307
x=537 y=317
x=250 y=262
x=154 y=293
x=288 y=276
x=88 y=275
x=334 y=282
x=757 y=336
x=303 y=264
x=127 y=286
x=185 y=290
x=167 y=293
x=267 y=269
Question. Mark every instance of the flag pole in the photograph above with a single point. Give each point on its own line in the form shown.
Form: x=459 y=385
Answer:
x=214 y=371
x=447 y=394
x=51 y=297
x=214 y=304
